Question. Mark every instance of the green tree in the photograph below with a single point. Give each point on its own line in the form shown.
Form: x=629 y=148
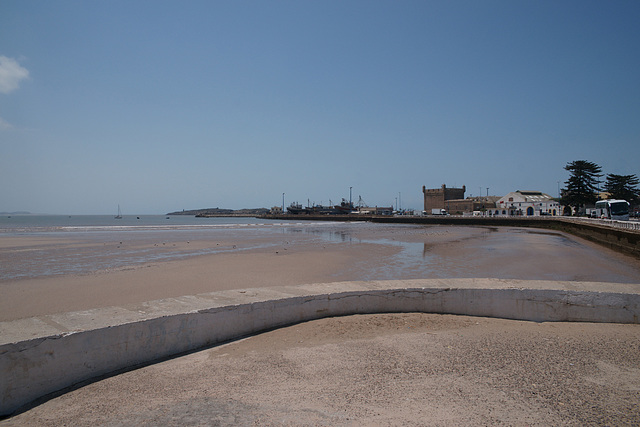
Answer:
x=582 y=186
x=623 y=187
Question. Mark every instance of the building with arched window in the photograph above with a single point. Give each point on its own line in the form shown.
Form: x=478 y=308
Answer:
x=527 y=203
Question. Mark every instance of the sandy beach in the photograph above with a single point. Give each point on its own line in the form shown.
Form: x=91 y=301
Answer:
x=401 y=369
x=172 y=264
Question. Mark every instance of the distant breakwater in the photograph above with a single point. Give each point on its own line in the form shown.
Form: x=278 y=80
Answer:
x=227 y=215
x=221 y=213
x=620 y=236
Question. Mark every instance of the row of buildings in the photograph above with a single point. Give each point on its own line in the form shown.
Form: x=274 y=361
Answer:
x=445 y=200
x=525 y=203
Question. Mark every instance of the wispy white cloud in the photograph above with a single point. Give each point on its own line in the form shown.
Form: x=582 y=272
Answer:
x=5 y=125
x=11 y=73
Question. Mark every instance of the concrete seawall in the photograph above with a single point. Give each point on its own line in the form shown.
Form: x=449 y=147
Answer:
x=39 y=356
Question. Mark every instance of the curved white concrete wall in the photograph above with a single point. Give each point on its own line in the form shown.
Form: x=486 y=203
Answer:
x=44 y=355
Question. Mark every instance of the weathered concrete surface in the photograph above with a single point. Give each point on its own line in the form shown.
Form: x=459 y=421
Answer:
x=42 y=355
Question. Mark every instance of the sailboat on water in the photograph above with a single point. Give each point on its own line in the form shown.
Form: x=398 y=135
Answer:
x=119 y=216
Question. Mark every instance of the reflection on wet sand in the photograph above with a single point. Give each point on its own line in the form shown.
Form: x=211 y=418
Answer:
x=61 y=272
x=505 y=253
x=416 y=251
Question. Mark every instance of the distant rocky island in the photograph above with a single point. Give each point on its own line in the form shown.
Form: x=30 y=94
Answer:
x=217 y=212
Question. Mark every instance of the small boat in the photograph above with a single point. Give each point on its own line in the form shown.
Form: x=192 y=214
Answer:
x=297 y=209
x=345 y=207
x=119 y=216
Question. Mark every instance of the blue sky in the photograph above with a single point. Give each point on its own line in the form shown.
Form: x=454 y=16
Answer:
x=167 y=105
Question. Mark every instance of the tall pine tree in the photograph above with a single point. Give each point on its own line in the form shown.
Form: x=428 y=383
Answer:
x=623 y=187
x=582 y=186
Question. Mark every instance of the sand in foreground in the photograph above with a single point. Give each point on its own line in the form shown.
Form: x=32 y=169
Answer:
x=401 y=369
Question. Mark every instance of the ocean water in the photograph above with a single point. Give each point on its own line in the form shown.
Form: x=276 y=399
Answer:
x=29 y=224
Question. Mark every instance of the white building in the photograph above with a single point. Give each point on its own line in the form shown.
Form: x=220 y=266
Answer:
x=527 y=203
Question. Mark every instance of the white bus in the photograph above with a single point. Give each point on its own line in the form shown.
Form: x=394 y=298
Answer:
x=613 y=209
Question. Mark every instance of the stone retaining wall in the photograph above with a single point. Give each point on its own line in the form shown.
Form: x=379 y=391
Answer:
x=43 y=355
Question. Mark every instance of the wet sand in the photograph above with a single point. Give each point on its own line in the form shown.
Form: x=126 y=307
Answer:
x=114 y=269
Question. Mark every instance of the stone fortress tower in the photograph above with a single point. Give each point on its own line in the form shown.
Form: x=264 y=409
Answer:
x=436 y=198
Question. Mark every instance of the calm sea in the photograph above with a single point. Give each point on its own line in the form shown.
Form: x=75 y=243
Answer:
x=26 y=224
